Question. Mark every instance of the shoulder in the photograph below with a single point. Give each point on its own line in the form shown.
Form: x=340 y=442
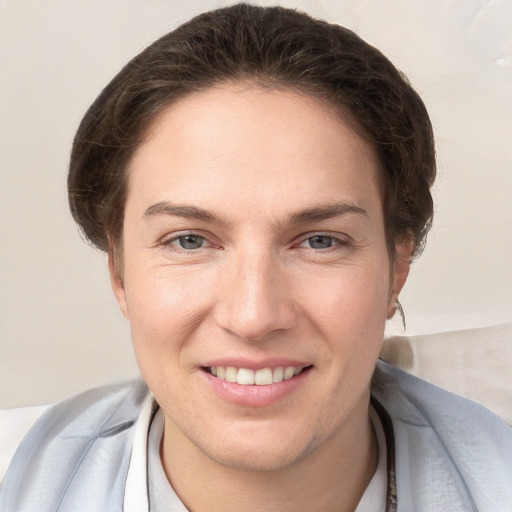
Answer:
x=71 y=446
x=90 y=413
x=447 y=449
x=15 y=423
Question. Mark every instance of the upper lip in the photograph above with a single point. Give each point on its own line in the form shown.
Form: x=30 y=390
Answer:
x=253 y=364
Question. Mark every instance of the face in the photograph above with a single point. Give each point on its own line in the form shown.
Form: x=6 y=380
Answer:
x=256 y=276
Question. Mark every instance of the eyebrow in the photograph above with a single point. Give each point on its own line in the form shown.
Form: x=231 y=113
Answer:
x=188 y=212
x=324 y=212
x=321 y=212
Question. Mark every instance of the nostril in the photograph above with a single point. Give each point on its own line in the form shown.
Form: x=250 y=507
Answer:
x=255 y=323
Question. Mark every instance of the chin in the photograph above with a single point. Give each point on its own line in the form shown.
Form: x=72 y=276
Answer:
x=257 y=459
x=260 y=451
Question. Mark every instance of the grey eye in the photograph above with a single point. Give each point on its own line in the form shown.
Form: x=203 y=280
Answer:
x=191 y=241
x=320 y=241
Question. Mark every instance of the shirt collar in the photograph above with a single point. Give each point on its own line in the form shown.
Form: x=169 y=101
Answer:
x=136 y=490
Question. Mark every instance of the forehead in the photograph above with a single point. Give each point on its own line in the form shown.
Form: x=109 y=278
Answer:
x=245 y=146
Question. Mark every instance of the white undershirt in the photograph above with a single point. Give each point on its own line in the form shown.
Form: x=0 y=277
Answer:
x=159 y=496
x=162 y=497
x=374 y=497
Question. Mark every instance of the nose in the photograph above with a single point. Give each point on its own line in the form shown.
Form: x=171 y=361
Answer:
x=255 y=297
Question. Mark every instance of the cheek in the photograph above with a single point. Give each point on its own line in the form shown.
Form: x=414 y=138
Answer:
x=349 y=309
x=356 y=296
x=165 y=308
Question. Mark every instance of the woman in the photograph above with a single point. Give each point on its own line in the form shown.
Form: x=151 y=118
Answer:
x=260 y=181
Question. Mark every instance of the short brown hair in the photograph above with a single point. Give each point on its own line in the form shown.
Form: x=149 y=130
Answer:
x=273 y=47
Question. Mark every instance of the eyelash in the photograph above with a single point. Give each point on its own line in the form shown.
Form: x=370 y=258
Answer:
x=169 y=243
x=336 y=242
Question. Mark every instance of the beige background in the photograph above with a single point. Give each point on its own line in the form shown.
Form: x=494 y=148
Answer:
x=60 y=330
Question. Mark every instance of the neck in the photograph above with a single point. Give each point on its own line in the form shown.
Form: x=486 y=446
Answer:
x=332 y=478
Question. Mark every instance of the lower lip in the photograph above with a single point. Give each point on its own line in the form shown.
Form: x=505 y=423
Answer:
x=254 y=396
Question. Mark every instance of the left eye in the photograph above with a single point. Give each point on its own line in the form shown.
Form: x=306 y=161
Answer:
x=320 y=241
x=189 y=242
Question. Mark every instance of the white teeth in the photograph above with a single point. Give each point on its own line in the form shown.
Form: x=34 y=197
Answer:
x=245 y=377
x=278 y=374
x=289 y=372
x=261 y=377
x=231 y=374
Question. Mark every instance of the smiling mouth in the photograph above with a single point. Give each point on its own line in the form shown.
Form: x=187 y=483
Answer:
x=261 y=377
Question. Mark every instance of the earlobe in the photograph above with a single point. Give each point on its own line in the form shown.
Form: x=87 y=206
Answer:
x=117 y=283
x=402 y=265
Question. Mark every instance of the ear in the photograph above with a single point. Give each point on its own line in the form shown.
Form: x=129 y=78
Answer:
x=117 y=283
x=402 y=265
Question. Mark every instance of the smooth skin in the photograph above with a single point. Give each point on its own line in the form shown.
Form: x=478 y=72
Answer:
x=254 y=231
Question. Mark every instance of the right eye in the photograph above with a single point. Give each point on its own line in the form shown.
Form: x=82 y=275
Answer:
x=188 y=245
x=320 y=241
x=188 y=242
